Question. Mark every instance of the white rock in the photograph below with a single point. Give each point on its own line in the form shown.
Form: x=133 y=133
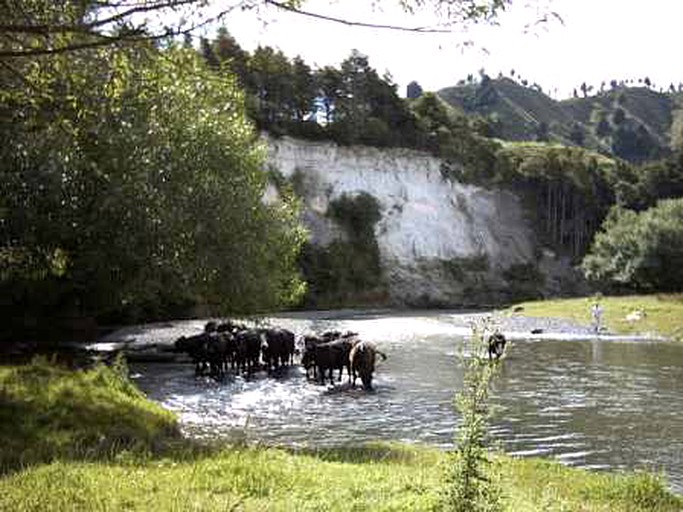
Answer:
x=426 y=219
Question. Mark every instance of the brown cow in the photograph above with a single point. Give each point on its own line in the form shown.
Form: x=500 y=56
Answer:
x=362 y=358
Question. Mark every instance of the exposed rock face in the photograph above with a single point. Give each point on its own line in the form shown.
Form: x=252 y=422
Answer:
x=441 y=243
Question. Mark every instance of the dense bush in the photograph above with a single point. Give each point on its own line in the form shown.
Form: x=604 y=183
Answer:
x=639 y=251
x=131 y=179
x=348 y=269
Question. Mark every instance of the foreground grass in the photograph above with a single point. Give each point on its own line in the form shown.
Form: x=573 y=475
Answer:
x=663 y=313
x=161 y=472
x=375 y=478
x=49 y=412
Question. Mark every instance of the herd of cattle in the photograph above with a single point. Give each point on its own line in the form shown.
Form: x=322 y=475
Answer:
x=231 y=346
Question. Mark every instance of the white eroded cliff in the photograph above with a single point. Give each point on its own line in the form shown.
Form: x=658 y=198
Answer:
x=427 y=222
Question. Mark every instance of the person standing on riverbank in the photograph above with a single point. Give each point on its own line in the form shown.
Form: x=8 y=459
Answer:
x=596 y=314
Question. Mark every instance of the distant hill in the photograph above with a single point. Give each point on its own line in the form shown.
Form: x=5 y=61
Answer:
x=633 y=123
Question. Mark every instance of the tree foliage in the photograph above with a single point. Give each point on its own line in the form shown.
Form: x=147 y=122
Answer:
x=639 y=251
x=131 y=179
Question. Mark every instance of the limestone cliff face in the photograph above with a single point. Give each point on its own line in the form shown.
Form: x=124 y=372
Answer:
x=440 y=242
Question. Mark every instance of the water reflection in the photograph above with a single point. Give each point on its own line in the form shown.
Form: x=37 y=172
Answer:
x=597 y=404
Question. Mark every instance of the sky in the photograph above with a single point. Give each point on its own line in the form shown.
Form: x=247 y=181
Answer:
x=597 y=40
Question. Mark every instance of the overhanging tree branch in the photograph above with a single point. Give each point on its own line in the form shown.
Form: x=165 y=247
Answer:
x=96 y=38
x=351 y=23
x=98 y=23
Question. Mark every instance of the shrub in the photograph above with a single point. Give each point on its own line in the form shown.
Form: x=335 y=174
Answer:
x=346 y=268
x=460 y=268
x=356 y=214
x=639 y=251
x=469 y=487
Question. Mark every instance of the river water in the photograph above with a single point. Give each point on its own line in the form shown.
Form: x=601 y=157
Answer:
x=602 y=403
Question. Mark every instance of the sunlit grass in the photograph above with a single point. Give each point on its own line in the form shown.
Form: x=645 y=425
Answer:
x=48 y=412
x=663 y=314
x=89 y=440
x=379 y=478
x=535 y=484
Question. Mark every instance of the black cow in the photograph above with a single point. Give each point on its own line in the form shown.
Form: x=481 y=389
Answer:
x=195 y=347
x=496 y=345
x=308 y=354
x=248 y=349
x=278 y=349
x=333 y=355
x=220 y=350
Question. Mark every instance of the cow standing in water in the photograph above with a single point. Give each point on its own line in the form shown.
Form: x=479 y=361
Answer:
x=496 y=345
x=362 y=359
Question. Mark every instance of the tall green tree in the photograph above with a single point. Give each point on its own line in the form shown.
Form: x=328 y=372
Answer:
x=328 y=81
x=229 y=53
x=270 y=73
x=131 y=179
x=303 y=89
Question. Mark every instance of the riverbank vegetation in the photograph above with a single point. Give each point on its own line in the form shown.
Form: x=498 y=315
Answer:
x=131 y=189
x=658 y=314
x=117 y=209
x=89 y=440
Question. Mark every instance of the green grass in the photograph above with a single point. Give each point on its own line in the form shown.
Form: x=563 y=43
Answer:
x=49 y=412
x=68 y=470
x=663 y=313
x=535 y=484
x=376 y=478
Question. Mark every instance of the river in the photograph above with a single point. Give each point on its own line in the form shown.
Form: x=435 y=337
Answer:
x=594 y=402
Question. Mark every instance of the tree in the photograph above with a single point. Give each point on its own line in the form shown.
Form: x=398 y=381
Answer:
x=542 y=131
x=207 y=51
x=229 y=53
x=328 y=82
x=303 y=89
x=577 y=134
x=603 y=128
x=634 y=142
x=584 y=89
x=270 y=82
x=618 y=116
x=131 y=179
x=639 y=251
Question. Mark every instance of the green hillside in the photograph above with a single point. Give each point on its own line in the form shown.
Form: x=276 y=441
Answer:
x=633 y=123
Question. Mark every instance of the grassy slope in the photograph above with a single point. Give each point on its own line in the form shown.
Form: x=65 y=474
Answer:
x=521 y=108
x=178 y=476
x=663 y=313
x=49 y=412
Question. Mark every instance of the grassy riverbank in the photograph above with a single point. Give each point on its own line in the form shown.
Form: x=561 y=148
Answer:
x=89 y=440
x=663 y=313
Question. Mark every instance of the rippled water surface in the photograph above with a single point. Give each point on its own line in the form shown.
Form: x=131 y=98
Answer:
x=599 y=404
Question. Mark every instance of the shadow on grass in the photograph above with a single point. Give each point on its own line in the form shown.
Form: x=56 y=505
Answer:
x=365 y=453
